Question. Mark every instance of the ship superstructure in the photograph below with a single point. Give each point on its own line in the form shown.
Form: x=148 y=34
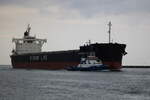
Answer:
x=28 y=44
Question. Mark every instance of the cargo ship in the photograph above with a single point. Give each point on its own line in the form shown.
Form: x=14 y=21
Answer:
x=28 y=54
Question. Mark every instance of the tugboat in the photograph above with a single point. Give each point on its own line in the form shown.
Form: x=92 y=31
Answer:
x=91 y=63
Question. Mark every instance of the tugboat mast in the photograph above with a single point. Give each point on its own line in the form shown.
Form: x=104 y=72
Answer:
x=109 y=31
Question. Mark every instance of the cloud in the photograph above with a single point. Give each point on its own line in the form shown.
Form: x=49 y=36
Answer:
x=86 y=8
x=109 y=7
x=12 y=16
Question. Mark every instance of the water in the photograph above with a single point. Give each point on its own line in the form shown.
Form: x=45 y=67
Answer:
x=130 y=84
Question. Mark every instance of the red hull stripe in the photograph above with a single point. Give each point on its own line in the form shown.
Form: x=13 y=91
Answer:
x=114 y=65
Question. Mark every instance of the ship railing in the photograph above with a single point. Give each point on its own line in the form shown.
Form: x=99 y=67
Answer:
x=17 y=39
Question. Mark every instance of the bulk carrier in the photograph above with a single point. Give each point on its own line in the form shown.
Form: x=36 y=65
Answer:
x=28 y=54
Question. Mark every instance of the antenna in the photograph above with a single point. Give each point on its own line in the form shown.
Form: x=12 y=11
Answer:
x=109 y=31
x=88 y=43
x=27 y=32
x=28 y=28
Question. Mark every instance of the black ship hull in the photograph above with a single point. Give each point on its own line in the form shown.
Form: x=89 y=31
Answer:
x=46 y=60
x=110 y=54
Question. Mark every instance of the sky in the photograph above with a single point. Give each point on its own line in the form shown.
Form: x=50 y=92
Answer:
x=68 y=24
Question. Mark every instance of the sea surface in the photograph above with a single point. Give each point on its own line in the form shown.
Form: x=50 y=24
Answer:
x=22 y=84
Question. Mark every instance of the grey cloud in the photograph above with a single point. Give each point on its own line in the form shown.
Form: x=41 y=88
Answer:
x=91 y=7
x=87 y=8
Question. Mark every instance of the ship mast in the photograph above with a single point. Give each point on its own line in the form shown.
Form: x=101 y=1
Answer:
x=109 y=31
x=28 y=28
x=27 y=32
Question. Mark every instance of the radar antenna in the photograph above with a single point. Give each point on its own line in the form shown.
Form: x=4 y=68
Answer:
x=109 y=31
